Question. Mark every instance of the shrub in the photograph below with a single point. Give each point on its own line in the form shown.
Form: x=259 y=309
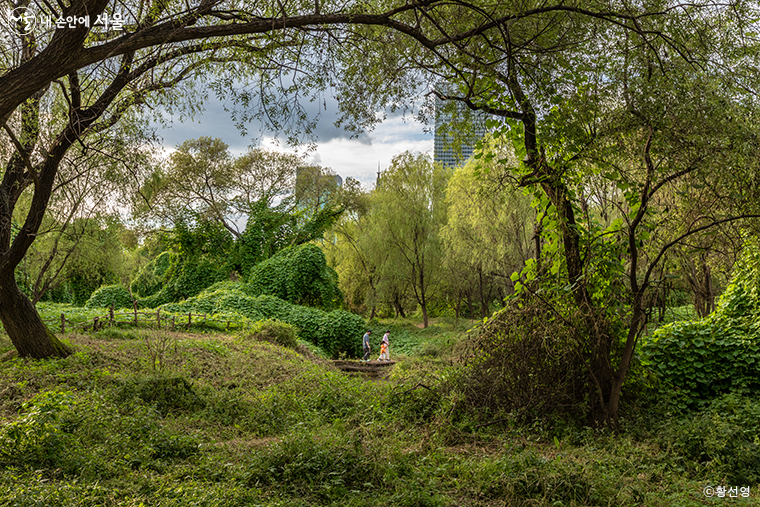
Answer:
x=526 y=362
x=722 y=440
x=186 y=280
x=273 y=331
x=702 y=359
x=341 y=331
x=104 y=296
x=299 y=275
x=308 y=322
x=717 y=354
x=151 y=278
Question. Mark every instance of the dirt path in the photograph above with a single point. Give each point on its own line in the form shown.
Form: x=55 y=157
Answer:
x=372 y=369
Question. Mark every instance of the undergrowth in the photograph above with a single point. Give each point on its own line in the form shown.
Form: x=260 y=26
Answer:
x=228 y=421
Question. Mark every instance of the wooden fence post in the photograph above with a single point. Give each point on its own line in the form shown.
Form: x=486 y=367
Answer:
x=95 y=324
x=158 y=317
x=189 y=319
x=110 y=312
x=63 y=324
x=173 y=317
x=134 y=305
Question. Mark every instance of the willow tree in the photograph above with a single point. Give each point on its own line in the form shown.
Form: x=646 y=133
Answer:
x=408 y=211
x=489 y=230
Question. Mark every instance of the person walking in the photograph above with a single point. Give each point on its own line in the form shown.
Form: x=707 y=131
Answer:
x=384 y=345
x=366 y=346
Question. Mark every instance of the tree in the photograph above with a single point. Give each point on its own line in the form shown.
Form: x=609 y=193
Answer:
x=101 y=74
x=409 y=210
x=348 y=247
x=76 y=259
x=489 y=229
x=660 y=108
x=661 y=103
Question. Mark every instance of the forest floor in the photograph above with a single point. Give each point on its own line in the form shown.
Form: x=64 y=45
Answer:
x=135 y=418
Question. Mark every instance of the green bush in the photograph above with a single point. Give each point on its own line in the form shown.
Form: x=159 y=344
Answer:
x=341 y=331
x=299 y=275
x=722 y=440
x=151 y=278
x=273 y=331
x=308 y=322
x=336 y=332
x=704 y=358
x=104 y=296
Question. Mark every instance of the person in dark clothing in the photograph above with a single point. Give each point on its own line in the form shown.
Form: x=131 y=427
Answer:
x=366 y=346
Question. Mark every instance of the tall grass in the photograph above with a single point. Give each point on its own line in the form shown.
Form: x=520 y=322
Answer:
x=234 y=422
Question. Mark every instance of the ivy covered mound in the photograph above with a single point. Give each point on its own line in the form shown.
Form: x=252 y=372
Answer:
x=719 y=353
x=297 y=274
x=295 y=286
x=116 y=295
x=335 y=331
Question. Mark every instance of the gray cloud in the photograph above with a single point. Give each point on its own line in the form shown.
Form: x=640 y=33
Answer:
x=219 y=116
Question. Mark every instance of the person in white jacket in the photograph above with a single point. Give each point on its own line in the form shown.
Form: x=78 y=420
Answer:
x=384 y=345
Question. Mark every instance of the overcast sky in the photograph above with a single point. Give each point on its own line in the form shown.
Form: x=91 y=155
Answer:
x=357 y=158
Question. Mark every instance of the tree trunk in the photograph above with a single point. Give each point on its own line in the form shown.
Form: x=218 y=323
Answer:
x=23 y=324
x=484 y=310
x=397 y=306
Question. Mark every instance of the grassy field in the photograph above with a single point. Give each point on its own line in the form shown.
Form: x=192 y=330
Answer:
x=153 y=418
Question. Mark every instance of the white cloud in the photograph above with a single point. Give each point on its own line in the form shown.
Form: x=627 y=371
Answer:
x=357 y=158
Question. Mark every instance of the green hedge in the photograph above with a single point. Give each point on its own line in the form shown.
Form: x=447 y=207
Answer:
x=336 y=331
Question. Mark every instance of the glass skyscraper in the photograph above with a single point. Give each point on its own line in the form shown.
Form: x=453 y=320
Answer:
x=448 y=150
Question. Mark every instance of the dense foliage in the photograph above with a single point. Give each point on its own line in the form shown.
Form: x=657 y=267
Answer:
x=336 y=331
x=526 y=363
x=116 y=295
x=273 y=331
x=150 y=279
x=299 y=275
x=704 y=358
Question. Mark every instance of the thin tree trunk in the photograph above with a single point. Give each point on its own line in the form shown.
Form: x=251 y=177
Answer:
x=483 y=303
x=397 y=306
x=25 y=328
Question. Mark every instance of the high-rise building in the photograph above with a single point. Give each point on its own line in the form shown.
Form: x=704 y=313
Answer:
x=449 y=150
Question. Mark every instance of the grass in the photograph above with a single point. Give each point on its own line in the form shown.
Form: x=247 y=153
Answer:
x=222 y=421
